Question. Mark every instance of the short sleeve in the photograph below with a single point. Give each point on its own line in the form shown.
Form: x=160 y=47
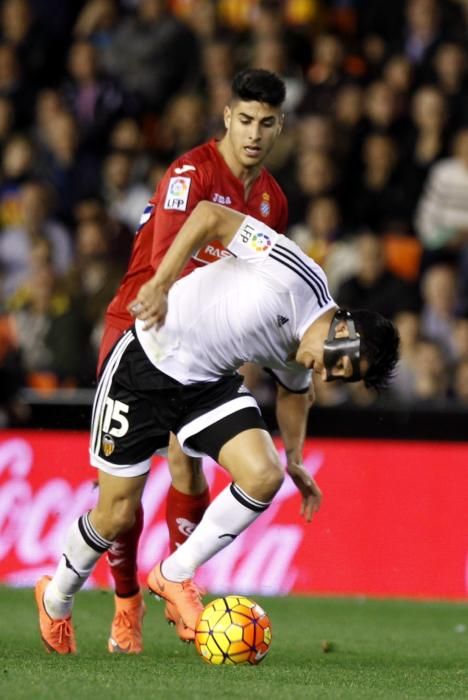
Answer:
x=253 y=240
x=295 y=382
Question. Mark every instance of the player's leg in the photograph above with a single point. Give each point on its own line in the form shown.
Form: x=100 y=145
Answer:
x=88 y=538
x=123 y=439
x=252 y=460
x=187 y=499
x=188 y=496
x=122 y=555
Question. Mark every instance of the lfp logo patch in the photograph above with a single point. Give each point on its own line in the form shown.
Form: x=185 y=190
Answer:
x=177 y=193
x=260 y=242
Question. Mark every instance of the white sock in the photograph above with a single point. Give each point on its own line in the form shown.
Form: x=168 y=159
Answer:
x=226 y=517
x=83 y=548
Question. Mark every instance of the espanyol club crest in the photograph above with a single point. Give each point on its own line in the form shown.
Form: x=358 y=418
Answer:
x=265 y=205
x=108 y=445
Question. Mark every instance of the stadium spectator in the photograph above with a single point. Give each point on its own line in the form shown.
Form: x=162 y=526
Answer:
x=18 y=163
x=430 y=377
x=36 y=225
x=123 y=198
x=95 y=100
x=373 y=286
x=51 y=330
x=320 y=235
x=315 y=176
x=375 y=197
x=408 y=323
x=72 y=172
x=438 y=314
x=451 y=75
x=442 y=213
x=97 y=22
x=348 y=115
x=397 y=72
x=324 y=76
x=153 y=54
x=29 y=37
x=94 y=275
x=183 y=125
x=426 y=140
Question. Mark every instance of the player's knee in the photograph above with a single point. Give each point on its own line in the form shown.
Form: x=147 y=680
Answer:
x=123 y=516
x=265 y=479
x=273 y=477
x=118 y=518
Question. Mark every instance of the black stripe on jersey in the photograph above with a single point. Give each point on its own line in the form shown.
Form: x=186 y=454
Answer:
x=246 y=500
x=299 y=267
x=310 y=284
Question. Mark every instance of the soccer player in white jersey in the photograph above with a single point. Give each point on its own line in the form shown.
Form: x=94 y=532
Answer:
x=177 y=371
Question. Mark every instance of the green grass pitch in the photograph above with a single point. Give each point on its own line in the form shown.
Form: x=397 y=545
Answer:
x=379 y=649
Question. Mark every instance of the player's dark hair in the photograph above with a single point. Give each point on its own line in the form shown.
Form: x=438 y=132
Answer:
x=380 y=343
x=258 y=85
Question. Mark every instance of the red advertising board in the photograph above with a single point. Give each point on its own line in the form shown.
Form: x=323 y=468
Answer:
x=394 y=520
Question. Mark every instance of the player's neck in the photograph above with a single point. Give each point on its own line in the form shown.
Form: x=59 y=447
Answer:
x=245 y=175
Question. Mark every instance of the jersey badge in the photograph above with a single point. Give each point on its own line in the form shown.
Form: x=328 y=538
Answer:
x=265 y=207
x=108 y=445
x=184 y=169
x=177 y=193
x=260 y=242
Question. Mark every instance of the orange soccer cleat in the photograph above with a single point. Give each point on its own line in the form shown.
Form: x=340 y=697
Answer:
x=58 y=636
x=183 y=602
x=126 y=630
x=174 y=619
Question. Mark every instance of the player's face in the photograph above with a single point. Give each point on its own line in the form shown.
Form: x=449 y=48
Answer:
x=311 y=354
x=252 y=129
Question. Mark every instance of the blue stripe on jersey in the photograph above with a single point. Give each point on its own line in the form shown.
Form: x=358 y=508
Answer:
x=309 y=276
x=148 y=210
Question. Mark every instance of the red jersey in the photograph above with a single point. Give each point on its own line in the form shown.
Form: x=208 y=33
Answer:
x=200 y=174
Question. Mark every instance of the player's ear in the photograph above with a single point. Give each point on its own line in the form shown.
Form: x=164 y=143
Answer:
x=227 y=116
x=280 y=124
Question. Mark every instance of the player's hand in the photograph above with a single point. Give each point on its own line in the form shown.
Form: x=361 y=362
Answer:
x=310 y=492
x=150 y=305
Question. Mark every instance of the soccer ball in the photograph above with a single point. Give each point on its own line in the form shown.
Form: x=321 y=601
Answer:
x=233 y=630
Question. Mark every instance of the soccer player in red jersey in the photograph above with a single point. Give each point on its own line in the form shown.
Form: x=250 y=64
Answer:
x=228 y=172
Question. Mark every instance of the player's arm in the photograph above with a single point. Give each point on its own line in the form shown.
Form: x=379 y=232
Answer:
x=206 y=222
x=292 y=410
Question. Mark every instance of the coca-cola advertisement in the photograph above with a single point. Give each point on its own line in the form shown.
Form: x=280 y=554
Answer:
x=393 y=520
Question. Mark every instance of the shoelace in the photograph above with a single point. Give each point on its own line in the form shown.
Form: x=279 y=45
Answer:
x=63 y=629
x=192 y=589
x=123 y=618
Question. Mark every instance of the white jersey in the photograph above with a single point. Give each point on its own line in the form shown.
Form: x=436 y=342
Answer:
x=252 y=307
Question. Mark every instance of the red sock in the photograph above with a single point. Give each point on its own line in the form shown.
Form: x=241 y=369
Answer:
x=183 y=513
x=122 y=558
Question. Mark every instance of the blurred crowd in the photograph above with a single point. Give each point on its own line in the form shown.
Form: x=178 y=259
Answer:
x=98 y=96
